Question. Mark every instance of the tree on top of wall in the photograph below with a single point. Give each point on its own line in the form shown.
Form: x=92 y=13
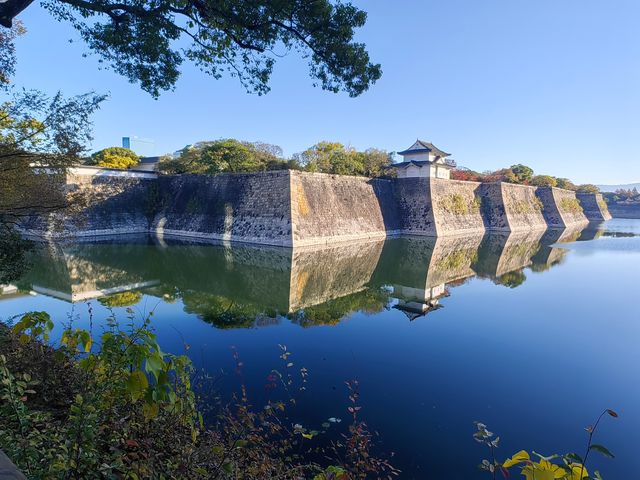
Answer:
x=225 y=156
x=521 y=173
x=336 y=158
x=588 y=188
x=114 y=157
x=544 y=181
x=565 y=183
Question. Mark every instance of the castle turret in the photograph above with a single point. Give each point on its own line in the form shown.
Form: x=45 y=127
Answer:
x=423 y=159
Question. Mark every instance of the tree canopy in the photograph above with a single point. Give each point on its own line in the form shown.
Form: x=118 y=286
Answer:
x=8 y=52
x=230 y=155
x=147 y=41
x=115 y=157
x=333 y=157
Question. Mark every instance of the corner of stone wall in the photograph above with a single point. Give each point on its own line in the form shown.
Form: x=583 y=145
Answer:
x=414 y=205
x=594 y=206
x=493 y=207
x=550 y=209
x=294 y=205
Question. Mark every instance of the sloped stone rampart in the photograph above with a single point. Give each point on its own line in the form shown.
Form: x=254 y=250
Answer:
x=457 y=207
x=522 y=207
x=412 y=200
x=594 y=206
x=102 y=205
x=337 y=208
x=292 y=208
x=561 y=208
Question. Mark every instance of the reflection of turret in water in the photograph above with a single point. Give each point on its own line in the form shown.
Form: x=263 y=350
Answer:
x=416 y=269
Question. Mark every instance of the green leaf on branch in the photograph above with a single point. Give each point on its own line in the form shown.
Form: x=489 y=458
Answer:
x=602 y=450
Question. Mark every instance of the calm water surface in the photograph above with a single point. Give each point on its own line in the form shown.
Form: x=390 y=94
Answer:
x=533 y=334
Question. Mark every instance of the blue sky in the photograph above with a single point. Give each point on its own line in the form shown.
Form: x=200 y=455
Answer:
x=552 y=84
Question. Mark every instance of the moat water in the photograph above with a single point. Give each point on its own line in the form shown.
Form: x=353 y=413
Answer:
x=533 y=334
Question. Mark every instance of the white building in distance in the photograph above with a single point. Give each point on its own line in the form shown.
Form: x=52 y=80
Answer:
x=423 y=159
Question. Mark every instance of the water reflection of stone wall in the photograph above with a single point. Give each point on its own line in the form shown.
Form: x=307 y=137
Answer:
x=237 y=286
x=319 y=275
x=67 y=272
x=501 y=254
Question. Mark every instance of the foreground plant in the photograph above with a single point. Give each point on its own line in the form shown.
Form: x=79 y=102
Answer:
x=569 y=466
x=117 y=406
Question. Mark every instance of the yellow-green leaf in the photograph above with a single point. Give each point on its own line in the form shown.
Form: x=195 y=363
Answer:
x=137 y=384
x=519 y=457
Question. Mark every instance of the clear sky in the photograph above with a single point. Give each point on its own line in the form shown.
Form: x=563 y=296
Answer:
x=550 y=83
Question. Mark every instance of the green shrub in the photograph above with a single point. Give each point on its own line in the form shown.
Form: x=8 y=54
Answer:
x=537 y=204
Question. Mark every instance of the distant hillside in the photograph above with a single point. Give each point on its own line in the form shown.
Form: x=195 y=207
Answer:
x=613 y=188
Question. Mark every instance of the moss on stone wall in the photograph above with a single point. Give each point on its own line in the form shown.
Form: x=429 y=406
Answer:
x=458 y=259
x=603 y=205
x=457 y=204
x=570 y=205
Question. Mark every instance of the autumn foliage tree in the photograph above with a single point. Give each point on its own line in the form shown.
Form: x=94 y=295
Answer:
x=519 y=174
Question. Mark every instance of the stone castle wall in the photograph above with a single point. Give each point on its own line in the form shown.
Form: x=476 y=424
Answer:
x=331 y=208
x=413 y=206
x=457 y=207
x=291 y=208
x=103 y=204
x=522 y=207
x=562 y=208
x=624 y=211
x=250 y=208
x=594 y=206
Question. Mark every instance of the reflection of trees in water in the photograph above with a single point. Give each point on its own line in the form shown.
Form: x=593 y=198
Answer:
x=332 y=312
x=540 y=267
x=223 y=312
x=511 y=279
x=124 y=299
x=13 y=255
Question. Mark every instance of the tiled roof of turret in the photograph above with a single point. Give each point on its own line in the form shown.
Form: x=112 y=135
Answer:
x=422 y=146
x=417 y=163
